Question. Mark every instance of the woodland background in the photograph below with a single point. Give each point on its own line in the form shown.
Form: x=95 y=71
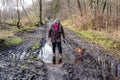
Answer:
x=96 y=20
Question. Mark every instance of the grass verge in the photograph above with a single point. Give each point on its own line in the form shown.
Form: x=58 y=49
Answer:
x=9 y=42
x=98 y=39
x=27 y=29
x=13 y=41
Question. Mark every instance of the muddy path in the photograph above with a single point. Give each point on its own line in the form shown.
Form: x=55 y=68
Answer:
x=87 y=67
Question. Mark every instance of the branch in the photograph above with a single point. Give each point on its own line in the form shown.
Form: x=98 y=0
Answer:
x=24 y=10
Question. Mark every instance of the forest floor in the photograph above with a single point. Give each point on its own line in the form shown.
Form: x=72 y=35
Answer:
x=90 y=66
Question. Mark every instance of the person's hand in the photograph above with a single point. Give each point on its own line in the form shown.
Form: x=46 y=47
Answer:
x=49 y=39
x=64 y=40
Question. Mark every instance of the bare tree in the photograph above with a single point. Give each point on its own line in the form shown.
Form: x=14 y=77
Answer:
x=117 y=13
x=40 y=11
x=18 y=14
x=84 y=6
x=0 y=16
x=104 y=6
x=56 y=6
x=68 y=1
x=110 y=8
x=24 y=9
x=5 y=9
x=79 y=6
x=0 y=13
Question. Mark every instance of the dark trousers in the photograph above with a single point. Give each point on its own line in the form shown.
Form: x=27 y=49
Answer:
x=57 y=44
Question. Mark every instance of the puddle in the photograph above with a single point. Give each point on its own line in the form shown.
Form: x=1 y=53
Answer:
x=103 y=64
x=112 y=69
x=98 y=60
x=109 y=67
x=46 y=53
x=108 y=63
x=69 y=58
x=118 y=71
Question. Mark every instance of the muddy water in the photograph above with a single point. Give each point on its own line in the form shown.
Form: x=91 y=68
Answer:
x=56 y=72
x=68 y=55
x=82 y=68
x=109 y=67
x=117 y=71
x=46 y=53
x=112 y=69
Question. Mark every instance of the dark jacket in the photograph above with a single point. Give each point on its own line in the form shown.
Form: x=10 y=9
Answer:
x=55 y=35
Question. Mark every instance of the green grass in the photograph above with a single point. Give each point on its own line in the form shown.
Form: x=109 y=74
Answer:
x=9 y=42
x=36 y=46
x=100 y=40
x=13 y=41
x=33 y=57
x=27 y=29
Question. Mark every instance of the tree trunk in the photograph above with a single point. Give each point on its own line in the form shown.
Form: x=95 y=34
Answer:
x=79 y=6
x=107 y=16
x=0 y=16
x=93 y=14
x=110 y=16
x=117 y=11
x=24 y=10
x=110 y=8
x=104 y=6
x=18 y=14
x=68 y=2
x=40 y=11
x=98 y=5
x=85 y=7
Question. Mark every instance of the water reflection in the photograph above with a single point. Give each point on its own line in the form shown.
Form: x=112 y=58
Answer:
x=112 y=69
x=119 y=71
x=46 y=53
x=109 y=67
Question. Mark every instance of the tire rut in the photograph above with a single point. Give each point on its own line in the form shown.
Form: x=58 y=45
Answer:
x=86 y=67
x=55 y=72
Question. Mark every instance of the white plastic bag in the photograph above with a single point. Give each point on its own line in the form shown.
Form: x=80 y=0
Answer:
x=46 y=53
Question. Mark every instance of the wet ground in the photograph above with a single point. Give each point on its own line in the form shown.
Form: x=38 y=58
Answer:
x=21 y=63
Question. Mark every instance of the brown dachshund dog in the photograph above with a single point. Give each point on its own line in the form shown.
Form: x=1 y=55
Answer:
x=79 y=51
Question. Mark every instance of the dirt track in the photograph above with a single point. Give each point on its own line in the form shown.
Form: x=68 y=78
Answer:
x=86 y=68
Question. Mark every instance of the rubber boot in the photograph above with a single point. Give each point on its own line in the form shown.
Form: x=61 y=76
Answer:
x=54 y=60
x=60 y=60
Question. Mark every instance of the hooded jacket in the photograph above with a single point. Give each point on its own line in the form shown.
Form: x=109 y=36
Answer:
x=55 y=35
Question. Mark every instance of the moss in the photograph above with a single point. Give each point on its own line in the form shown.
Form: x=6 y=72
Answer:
x=13 y=41
x=32 y=58
x=36 y=46
x=27 y=29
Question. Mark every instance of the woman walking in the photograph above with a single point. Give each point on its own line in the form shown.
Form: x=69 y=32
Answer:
x=54 y=34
